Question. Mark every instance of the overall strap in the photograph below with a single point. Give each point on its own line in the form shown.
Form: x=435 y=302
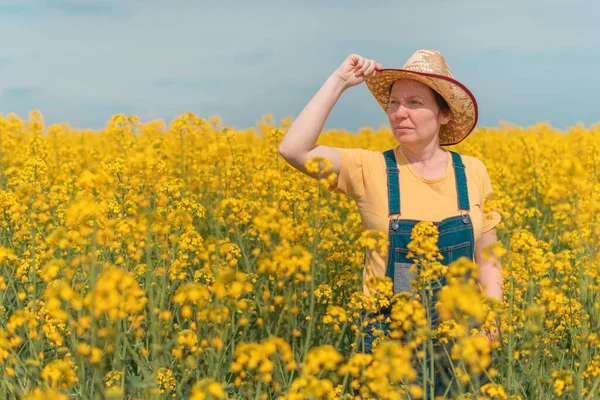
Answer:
x=461 y=181
x=392 y=182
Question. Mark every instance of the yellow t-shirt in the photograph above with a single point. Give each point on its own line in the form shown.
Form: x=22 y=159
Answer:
x=363 y=177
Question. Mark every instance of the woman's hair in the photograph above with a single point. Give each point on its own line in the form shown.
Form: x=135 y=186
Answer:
x=439 y=100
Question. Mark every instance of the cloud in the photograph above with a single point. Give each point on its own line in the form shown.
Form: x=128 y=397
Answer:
x=5 y=60
x=13 y=10
x=33 y=8
x=252 y=57
x=86 y=7
x=22 y=92
x=181 y=82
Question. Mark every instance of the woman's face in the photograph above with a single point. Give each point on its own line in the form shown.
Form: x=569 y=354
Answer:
x=414 y=115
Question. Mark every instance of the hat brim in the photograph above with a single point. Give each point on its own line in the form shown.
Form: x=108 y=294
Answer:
x=462 y=103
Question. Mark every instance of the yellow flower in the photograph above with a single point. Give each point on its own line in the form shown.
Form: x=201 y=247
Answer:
x=461 y=302
x=474 y=351
x=563 y=381
x=374 y=240
x=60 y=374
x=408 y=318
x=322 y=358
x=187 y=344
x=96 y=355
x=166 y=381
x=46 y=394
x=258 y=358
x=335 y=316
x=318 y=166
x=323 y=293
x=208 y=389
x=117 y=294
x=112 y=379
x=308 y=386
x=494 y=391
x=287 y=261
x=423 y=244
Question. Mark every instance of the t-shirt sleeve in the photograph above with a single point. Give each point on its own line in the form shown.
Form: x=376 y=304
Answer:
x=351 y=179
x=492 y=217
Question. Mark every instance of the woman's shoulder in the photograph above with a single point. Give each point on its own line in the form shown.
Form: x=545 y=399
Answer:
x=362 y=150
x=365 y=155
x=472 y=163
x=477 y=173
x=475 y=170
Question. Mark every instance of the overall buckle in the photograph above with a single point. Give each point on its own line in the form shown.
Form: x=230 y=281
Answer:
x=394 y=222
x=465 y=216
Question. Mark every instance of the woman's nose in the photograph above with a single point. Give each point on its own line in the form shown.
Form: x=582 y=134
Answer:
x=401 y=112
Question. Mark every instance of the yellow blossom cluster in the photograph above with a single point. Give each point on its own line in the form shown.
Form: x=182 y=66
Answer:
x=189 y=260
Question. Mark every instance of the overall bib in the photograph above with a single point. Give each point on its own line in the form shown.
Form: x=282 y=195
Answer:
x=455 y=240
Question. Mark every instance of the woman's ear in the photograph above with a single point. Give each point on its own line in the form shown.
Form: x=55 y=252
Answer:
x=445 y=117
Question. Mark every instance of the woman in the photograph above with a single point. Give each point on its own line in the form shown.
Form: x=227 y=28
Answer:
x=418 y=180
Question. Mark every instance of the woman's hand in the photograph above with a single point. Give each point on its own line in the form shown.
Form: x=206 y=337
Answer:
x=299 y=144
x=493 y=334
x=356 y=69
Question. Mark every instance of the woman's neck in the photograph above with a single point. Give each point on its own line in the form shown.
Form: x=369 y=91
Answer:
x=427 y=162
x=423 y=155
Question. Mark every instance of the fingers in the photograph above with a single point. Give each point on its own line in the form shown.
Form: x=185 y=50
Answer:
x=364 y=67
x=364 y=64
x=359 y=65
x=378 y=70
x=369 y=69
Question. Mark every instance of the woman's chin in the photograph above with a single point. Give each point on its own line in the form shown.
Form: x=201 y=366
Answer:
x=405 y=138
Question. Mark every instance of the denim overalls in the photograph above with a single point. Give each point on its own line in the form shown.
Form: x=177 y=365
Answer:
x=455 y=240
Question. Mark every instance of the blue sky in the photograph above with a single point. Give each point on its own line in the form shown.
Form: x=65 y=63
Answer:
x=81 y=61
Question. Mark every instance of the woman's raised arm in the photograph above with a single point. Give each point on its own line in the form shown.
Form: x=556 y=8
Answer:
x=299 y=144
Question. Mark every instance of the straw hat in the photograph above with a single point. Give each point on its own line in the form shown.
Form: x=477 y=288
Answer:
x=430 y=68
